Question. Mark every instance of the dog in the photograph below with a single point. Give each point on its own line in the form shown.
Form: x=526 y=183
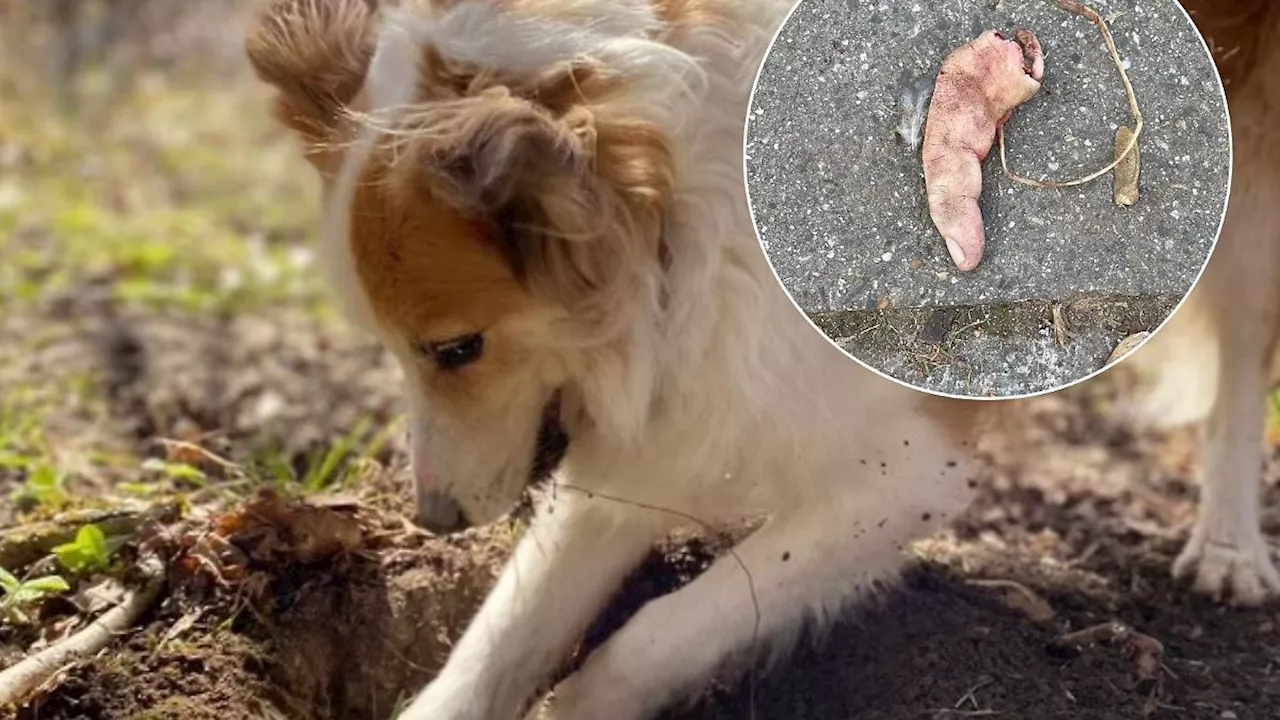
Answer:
x=538 y=207
x=1216 y=359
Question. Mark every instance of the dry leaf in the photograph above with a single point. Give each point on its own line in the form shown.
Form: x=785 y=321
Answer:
x=1146 y=652
x=1126 y=346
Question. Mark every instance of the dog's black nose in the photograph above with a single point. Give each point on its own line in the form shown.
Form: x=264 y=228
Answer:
x=440 y=513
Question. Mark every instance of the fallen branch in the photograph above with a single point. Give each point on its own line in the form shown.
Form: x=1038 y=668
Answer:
x=25 y=544
x=1134 y=112
x=21 y=679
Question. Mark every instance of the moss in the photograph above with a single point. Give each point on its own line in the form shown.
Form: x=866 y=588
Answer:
x=923 y=341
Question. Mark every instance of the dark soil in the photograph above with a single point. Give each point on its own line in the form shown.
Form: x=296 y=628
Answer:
x=1085 y=513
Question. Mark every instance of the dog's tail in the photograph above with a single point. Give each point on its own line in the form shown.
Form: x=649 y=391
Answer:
x=1175 y=374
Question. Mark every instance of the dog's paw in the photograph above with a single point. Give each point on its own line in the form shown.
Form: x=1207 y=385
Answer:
x=1241 y=570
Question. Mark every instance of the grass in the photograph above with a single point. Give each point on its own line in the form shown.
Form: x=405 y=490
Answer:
x=175 y=192
x=335 y=465
x=155 y=192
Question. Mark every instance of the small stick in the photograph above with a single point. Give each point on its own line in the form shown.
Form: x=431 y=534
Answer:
x=1093 y=16
x=1018 y=597
x=1102 y=632
x=20 y=679
x=1060 y=329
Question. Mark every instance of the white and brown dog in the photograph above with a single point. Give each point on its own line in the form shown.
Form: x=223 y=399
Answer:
x=538 y=206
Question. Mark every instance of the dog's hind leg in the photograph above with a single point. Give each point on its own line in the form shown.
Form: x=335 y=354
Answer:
x=805 y=566
x=1227 y=553
x=565 y=568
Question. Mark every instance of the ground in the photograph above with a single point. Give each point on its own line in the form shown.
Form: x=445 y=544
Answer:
x=173 y=374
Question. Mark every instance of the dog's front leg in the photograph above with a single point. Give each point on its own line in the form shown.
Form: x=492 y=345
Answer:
x=805 y=567
x=570 y=561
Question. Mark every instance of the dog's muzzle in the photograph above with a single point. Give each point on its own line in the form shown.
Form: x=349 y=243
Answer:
x=440 y=513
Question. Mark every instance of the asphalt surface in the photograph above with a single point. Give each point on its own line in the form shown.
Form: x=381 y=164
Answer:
x=839 y=199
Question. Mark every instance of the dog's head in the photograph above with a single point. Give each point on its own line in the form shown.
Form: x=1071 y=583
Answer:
x=495 y=181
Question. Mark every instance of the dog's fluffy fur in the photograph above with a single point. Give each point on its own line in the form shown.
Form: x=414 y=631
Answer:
x=538 y=206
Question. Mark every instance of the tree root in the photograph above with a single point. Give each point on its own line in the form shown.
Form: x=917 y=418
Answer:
x=21 y=679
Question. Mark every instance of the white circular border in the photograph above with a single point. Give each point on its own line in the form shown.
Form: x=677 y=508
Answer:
x=1231 y=166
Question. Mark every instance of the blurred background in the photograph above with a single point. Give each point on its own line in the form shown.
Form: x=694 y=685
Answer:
x=157 y=278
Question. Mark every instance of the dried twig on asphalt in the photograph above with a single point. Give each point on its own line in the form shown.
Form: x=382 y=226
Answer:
x=1060 y=330
x=1134 y=112
x=21 y=679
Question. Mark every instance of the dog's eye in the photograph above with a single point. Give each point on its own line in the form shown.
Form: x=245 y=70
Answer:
x=454 y=353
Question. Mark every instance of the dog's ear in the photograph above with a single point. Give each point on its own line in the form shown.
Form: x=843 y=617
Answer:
x=577 y=191
x=492 y=151
x=315 y=53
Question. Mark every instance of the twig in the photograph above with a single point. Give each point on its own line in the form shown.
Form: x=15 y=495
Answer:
x=1145 y=651
x=1102 y=632
x=1060 y=330
x=1090 y=14
x=205 y=453
x=20 y=679
x=968 y=696
x=1019 y=597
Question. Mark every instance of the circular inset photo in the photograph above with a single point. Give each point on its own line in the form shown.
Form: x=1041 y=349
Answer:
x=988 y=199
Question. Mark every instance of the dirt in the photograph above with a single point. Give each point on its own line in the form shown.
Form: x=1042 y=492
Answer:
x=212 y=676
x=1085 y=513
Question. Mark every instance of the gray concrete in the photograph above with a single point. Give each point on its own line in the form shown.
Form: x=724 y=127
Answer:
x=990 y=366
x=840 y=202
x=995 y=350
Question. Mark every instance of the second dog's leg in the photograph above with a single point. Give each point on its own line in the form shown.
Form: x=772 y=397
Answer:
x=1227 y=552
x=565 y=568
x=801 y=567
